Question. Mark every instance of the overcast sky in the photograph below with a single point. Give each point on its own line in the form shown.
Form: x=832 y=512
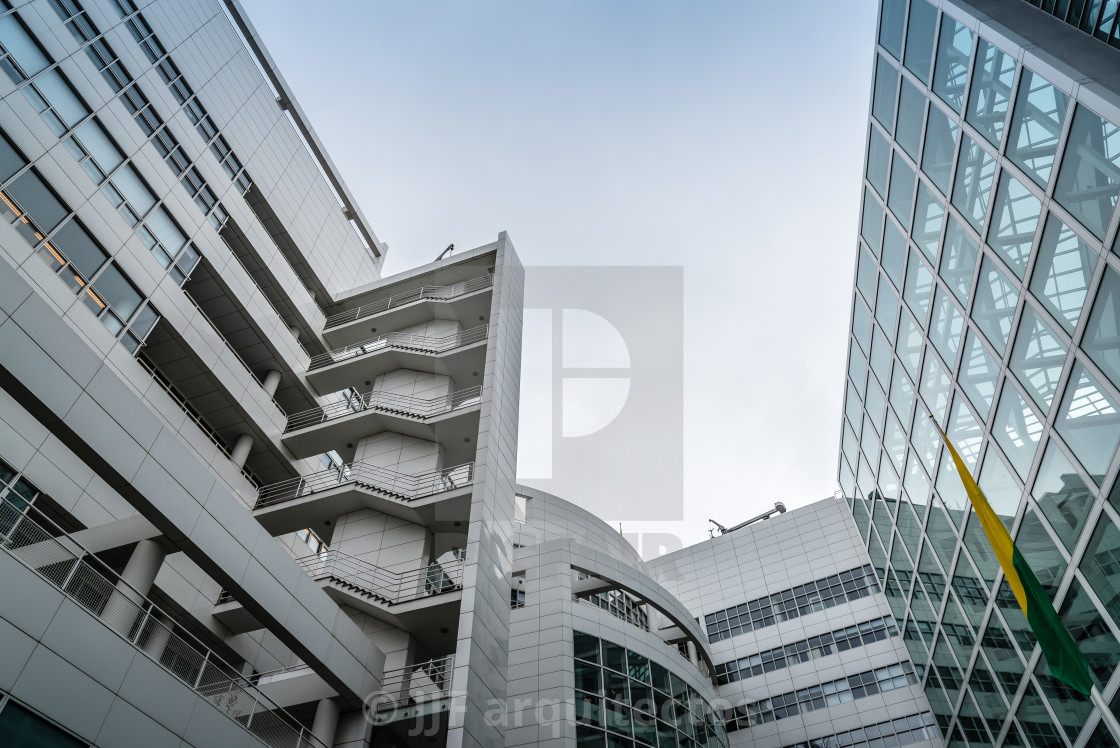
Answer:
x=723 y=137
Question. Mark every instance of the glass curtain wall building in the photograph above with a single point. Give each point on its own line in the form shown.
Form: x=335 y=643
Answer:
x=987 y=303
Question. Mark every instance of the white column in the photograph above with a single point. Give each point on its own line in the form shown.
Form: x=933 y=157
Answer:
x=326 y=721
x=693 y=657
x=271 y=382
x=143 y=565
x=241 y=450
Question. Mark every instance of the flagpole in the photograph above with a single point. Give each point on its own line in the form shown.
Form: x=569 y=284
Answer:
x=1106 y=713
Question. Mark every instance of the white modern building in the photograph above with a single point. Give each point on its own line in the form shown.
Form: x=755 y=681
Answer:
x=252 y=493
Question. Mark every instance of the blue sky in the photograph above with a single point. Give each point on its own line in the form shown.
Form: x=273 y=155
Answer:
x=725 y=137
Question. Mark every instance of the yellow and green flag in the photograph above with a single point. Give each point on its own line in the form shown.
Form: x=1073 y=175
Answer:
x=1062 y=655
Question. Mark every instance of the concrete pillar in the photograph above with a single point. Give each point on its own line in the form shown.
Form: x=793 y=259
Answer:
x=241 y=450
x=143 y=565
x=158 y=633
x=271 y=382
x=693 y=657
x=294 y=331
x=326 y=721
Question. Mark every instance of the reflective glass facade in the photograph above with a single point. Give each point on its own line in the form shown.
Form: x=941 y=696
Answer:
x=987 y=296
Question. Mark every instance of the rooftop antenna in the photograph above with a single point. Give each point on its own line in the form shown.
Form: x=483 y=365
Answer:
x=779 y=508
x=450 y=248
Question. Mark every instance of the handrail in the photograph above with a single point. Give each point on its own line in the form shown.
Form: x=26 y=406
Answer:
x=391 y=586
x=194 y=415
x=404 y=340
x=398 y=485
x=387 y=402
x=73 y=569
x=431 y=293
x=412 y=684
x=231 y=349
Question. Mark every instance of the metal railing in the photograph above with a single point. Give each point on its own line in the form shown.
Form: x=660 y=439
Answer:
x=185 y=406
x=390 y=586
x=383 y=480
x=413 y=684
x=400 y=340
x=386 y=402
x=69 y=567
x=429 y=293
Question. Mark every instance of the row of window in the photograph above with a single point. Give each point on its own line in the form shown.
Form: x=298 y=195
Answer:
x=789 y=604
x=791 y=654
x=156 y=53
x=888 y=734
x=622 y=696
x=621 y=605
x=832 y=693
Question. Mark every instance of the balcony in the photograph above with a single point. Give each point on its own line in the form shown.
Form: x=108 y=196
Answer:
x=434 y=499
x=414 y=691
x=33 y=540
x=422 y=601
x=465 y=301
x=444 y=419
x=459 y=356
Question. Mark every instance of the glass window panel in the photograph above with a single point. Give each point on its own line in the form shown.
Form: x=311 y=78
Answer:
x=1089 y=177
x=901 y=199
x=926 y=440
x=25 y=728
x=959 y=260
x=21 y=46
x=951 y=71
x=876 y=406
x=1035 y=126
x=935 y=388
x=980 y=550
x=872 y=227
x=1101 y=564
x=1088 y=628
x=942 y=536
x=965 y=434
x=878 y=161
x=1017 y=430
x=886 y=306
x=937 y=157
x=909 y=347
x=881 y=358
x=916 y=483
x=902 y=396
x=1102 y=334
x=911 y=117
x=894 y=253
x=1039 y=550
x=1089 y=422
x=886 y=89
x=118 y=292
x=946 y=327
x=995 y=304
x=978 y=375
x=973 y=186
x=1005 y=662
x=951 y=490
x=894 y=442
x=80 y=248
x=1014 y=219
x=99 y=145
x=928 y=219
x=991 y=91
x=166 y=230
x=10 y=159
x=909 y=527
x=62 y=97
x=861 y=323
x=1000 y=488
x=919 y=39
x=919 y=285
x=1071 y=707
x=1061 y=276
x=1037 y=358
x=33 y=195
x=134 y=189
x=857 y=370
x=890 y=26
x=1062 y=496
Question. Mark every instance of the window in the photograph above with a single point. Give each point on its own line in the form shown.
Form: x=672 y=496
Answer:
x=1088 y=422
x=1014 y=220
x=884 y=93
x=996 y=299
x=1017 y=430
x=1036 y=124
x=1063 y=271
x=21 y=726
x=991 y=91
x=878 y=161
x=76 y=19
x=56 y=102
x=21 y=57
x=145 y=37
x=109 y=65
x=911 y=117
x=1038 y=358
x=959 y=260
x=919 y=39
x=1102 y=334
x=941 y=139
x=1089 y=177
x=517 y=591
x=954 y=47
x=973 y=185
x=95 y=150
